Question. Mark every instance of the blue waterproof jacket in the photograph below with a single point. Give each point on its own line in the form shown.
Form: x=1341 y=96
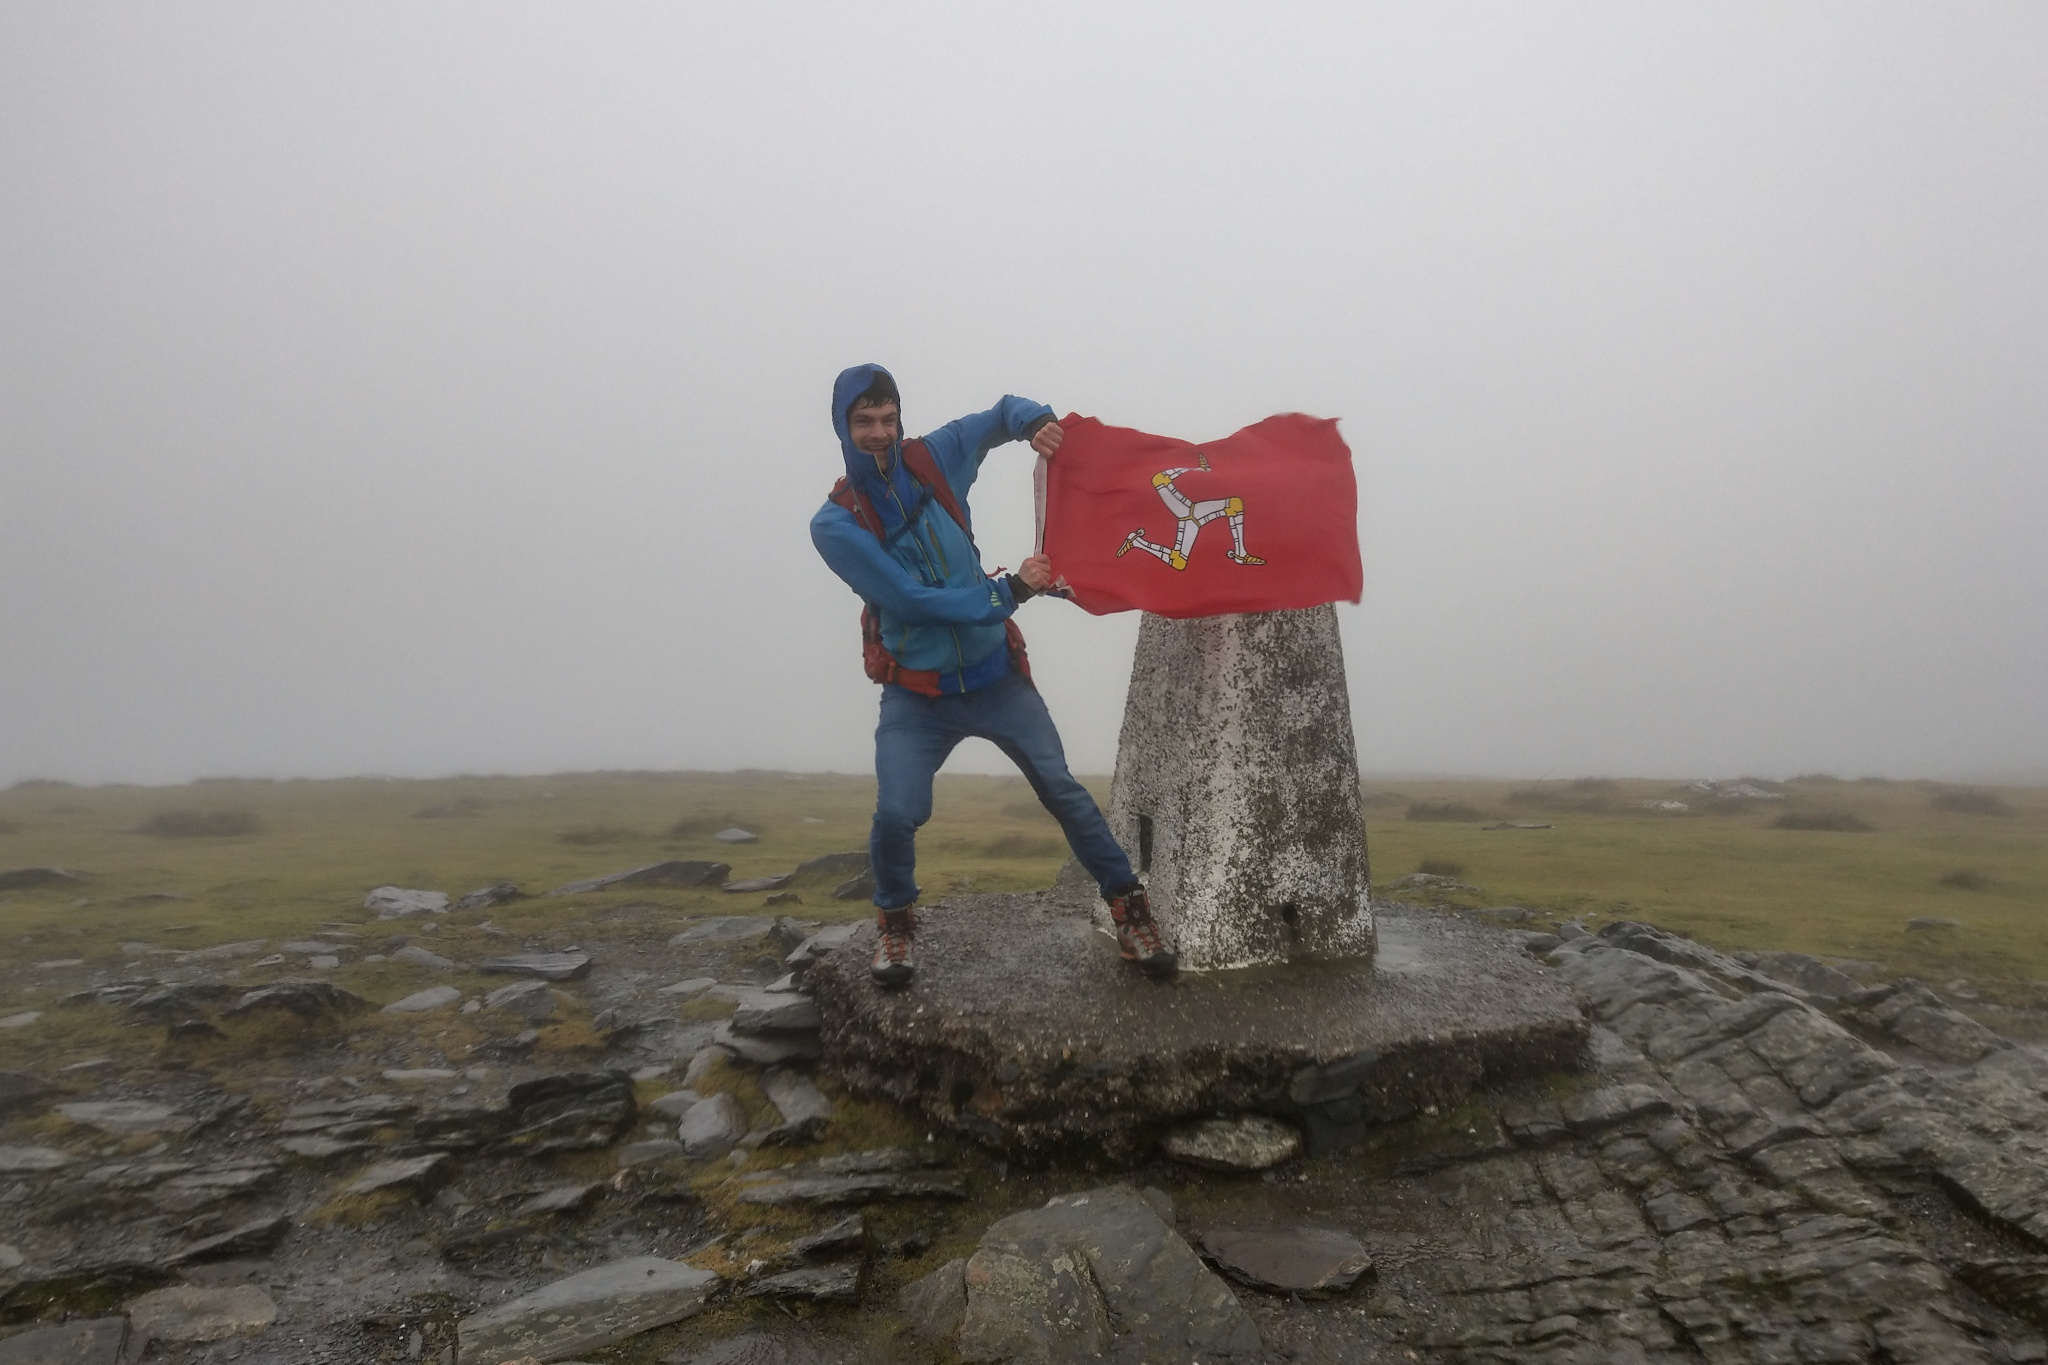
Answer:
x=939 y=611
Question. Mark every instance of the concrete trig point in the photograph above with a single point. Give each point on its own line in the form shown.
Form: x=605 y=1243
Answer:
x=1236 y=789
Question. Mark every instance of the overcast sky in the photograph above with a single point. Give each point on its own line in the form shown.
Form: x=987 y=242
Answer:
x=426 y=388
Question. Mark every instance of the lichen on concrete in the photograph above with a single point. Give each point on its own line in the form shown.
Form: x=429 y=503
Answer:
x=1236 y=789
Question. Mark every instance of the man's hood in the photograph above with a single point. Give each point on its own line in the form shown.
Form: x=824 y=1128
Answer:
x=860 y=466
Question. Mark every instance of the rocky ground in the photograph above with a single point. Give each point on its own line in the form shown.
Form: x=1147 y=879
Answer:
x=632 y=1151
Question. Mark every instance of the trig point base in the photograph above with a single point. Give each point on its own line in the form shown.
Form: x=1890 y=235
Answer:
x=1025 y=1031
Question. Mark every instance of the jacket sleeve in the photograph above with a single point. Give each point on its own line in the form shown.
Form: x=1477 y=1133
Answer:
x=961 y=445
x=852 y=552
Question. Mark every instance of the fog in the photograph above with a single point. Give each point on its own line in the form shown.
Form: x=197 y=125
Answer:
x=421 y=389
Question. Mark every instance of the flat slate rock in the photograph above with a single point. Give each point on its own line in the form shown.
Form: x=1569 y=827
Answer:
x=563 y=1199
x=770 y=1012
x=1247 y=1142
x=671 y=873
x=751 y=885
x=420 y=957
x=847 y=1237
x=1025 y=1031
x=816 y=1283
x=736 y=835
x=573 y=1111
x=196 y=1313
x=432 y=998
x=397 y=902
x=23 y=1092
x=749 y=1348
x=796 y=1098
x=827 y=940
x=97 y=1342
x=29 y=1160
x=492 y=896
x=844 y=1191
x=256 y=1238
x=420 y=1174
x=1098 y=1275
x=834 y=865
x=710 y=1129
x=314 y=1002
x=855 y=888
x=1299 y=1259
x=725 y=929
x=584 y=1312
x=546 y=966
x=779 y=1049
x=648 y=1153
x=528 y=999
x=127 y=1116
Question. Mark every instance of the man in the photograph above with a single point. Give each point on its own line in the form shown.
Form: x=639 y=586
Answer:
x=938 y=637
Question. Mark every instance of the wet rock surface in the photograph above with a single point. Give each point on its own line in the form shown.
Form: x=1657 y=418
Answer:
x=1025 y=1031
x=1755 y=1162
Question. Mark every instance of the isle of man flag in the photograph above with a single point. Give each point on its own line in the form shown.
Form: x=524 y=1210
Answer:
x=1260 y=521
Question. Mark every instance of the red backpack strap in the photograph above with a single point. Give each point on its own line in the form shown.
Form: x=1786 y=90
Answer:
x=917 y=458
x=845 y=495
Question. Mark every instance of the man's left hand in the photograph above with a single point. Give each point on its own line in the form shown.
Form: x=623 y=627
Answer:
x=1036 y=573
x=1047 y=440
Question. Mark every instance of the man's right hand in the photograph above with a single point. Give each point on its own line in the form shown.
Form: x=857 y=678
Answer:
x=1047 y=439
x=1036 y=573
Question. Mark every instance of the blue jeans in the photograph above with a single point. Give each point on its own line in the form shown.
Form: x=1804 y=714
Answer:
x=914 y=738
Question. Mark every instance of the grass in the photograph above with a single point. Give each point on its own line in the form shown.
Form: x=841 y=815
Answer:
x=1729 y=879
x=1836 y=821
x=1968 y=801
x=1733 y=881
x=201 y=824
x=1448 y=811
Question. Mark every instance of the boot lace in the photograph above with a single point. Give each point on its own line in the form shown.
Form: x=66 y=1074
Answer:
x=897 y=927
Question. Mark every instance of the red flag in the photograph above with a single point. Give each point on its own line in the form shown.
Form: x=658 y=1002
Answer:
x=1260 y=521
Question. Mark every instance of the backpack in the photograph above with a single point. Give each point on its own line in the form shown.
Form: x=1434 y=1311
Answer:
x=881 y=665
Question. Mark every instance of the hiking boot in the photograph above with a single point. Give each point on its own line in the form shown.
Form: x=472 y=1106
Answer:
x=894 y=965
x=1137 y=933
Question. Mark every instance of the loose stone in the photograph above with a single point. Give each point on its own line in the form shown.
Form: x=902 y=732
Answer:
x=766 y=1012
x=127 y=1116
x=250 y=1239
x=27 y=1160
x=420 y=957
x=1097 y=1275
x=816 y=1284
x=802 y=1105
x=1249 y=1142
x=490 y=897
x=1298 y=1259
x=755 y=885
x=396 y=902
x=585 y=1312
x=546 y=966
x=528 y=999
x=432 y=998
x=190 y=1313
x=710 y=1129
x=673 y=873
x=314 y=1002
x=770 y=1050
x=725 y=930
x=97 y=1342
x=421 y=1174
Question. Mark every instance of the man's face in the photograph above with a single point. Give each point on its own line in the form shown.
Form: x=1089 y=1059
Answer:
x=872 y=428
